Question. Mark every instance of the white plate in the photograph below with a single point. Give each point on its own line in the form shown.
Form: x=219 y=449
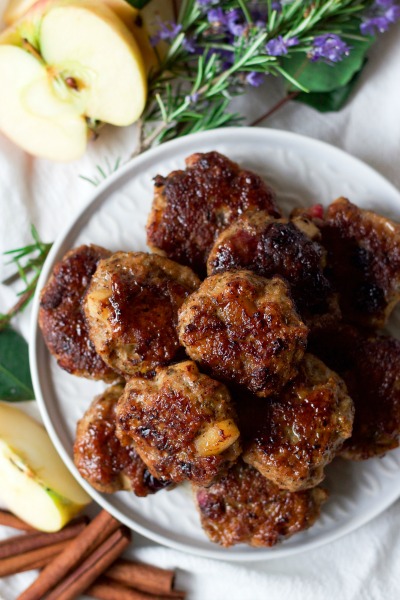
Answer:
x=303 y=171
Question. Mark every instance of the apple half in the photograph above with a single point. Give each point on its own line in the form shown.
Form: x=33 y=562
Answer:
x=35 y=484
x=64 y=65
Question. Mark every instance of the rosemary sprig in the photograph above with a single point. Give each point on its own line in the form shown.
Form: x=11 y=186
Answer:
x=204 y=68
x=28 y=261
x=102 y=172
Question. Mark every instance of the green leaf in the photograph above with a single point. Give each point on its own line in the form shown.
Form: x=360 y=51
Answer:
x=330 y=101
x=138 y=3
x=322 y=77
x=15 y=378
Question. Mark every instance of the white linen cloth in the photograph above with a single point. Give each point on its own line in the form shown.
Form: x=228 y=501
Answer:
x=363 y=565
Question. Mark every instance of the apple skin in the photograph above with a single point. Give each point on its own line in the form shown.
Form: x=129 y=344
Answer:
x=35 y=484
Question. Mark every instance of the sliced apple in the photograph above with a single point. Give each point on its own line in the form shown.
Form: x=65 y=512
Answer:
x=35 y=484
x=32 y=114
x=85 y=41
x=65 y=64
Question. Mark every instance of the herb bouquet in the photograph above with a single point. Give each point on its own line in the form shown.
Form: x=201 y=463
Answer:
x=219 y=48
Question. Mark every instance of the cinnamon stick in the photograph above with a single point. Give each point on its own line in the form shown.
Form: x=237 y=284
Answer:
x=141 y=576
x=86 y=542
x=9 y=520
x=31 y=560
x=80 y=579
x=105 y=589
x=21 y=544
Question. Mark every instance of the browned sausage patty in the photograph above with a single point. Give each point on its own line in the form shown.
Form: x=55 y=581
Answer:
x=364 y=256
x=99 y=456
x=244 y=507
x=269 y=247
x=244 y=329
x=192 y=207
x=131 y=309
x=61 y=317
x=182 y=422
x=291 y=438
x=370 y=366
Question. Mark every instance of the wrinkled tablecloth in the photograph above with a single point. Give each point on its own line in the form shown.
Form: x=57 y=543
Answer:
x=363 y=565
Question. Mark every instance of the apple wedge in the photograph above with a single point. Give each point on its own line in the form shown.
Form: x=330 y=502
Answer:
x=32 y=115
x=35 y=484
x=86 y=43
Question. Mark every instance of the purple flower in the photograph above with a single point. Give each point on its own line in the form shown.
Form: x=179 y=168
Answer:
x=276 y=6
x=380 y=16
x=236 y=22
x=189 y=45
x=166 y=31
x=216 y=16
x=329 y=47
x=255 y=78
x=193 y=98
x=279 y=46
x=206 y=2
x=373 y=25
x=393 y=14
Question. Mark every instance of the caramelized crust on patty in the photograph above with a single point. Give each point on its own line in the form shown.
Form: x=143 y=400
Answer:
x=244 y=507
x=61 y=317
x=99 y=456
x=295 y=435
x=244 y=329
x=364 y=255
x=269 y=247
x=182 y=422
x=192 y=207
x=370 y=366
x=131 y=309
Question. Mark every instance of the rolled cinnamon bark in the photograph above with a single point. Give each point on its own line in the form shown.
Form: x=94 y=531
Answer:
x=9 y=520
x=95 y=564
x=21 y=544
x=34 y=559
x=140 y=576
x=86 y=542
x=110 y=590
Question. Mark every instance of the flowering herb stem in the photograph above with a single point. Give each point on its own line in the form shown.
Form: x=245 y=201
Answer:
x=217 y=49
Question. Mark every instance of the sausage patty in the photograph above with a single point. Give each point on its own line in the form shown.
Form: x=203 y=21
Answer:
x=131 y=309
x=244 y=329
x=244 y=507
x=370 y=365
x=99 y=456
x=364 y=257
x=61 y=316
x=191 y=207
x=291 y=438
x=182 y=422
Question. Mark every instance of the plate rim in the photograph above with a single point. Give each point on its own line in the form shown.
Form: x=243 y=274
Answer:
x=259 y=554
